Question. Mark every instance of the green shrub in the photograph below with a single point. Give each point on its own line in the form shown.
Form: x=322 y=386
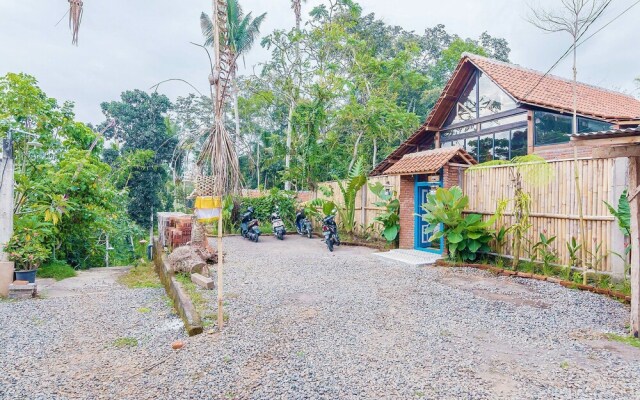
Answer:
x=57 y=270
x=465 y=235
x=265 y=205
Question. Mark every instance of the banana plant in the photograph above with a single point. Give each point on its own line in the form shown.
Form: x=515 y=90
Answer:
x=390 y=218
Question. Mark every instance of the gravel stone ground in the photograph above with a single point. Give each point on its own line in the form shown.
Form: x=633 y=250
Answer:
x=308 y=324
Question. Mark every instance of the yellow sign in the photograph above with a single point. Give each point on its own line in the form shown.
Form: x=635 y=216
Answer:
x=208 y=208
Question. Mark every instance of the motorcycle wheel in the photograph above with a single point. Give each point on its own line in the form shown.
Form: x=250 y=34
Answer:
x=309 y=233
x=330 y=244
x=280 y=235
x=256 y=239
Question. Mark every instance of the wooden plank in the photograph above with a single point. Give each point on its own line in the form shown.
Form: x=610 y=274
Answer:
x=632 y=150
x=610 y=141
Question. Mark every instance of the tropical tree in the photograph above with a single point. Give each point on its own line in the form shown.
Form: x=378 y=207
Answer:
x=141 y=126
x=242 y=31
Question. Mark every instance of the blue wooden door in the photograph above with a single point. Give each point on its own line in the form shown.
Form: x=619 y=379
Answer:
x=422 y=189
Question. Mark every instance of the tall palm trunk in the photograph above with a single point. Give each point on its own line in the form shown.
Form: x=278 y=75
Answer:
x=287 y=160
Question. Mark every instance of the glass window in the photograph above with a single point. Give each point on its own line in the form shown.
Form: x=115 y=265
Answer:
x=492 y=99
x=465 y=108
x=459 y=131
x=454 y=143
x=518 y=142
x=486 y=148
x=551 y=128
x=590 y=125
x=501 y=146
x=471 y=146
x=504 y=121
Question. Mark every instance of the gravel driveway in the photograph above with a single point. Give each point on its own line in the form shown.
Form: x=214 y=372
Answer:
x=306 y=323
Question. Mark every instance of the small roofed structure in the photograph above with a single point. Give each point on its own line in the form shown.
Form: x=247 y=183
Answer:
x=618 y=143
x=430 y=161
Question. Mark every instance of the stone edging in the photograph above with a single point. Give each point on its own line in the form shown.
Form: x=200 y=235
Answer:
x=568 y=284
x=181 y=301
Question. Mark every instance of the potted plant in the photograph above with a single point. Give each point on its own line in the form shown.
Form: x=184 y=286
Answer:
x=28 y=251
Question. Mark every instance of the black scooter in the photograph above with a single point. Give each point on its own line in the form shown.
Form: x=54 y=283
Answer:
x=330 y=232
x=278 y=226
x=303 y=225
x=249 y=226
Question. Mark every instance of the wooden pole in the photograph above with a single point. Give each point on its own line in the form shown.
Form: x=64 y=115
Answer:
x=634 y=182
x=220 y=272
x=581 y=224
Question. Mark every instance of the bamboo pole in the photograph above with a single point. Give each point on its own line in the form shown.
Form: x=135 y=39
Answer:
x=581 y=225
x=220 y=271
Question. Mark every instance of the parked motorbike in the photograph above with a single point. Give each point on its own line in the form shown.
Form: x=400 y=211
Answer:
x=278 y=226
x=249 y=226
x=303 y=225
x=330 y=232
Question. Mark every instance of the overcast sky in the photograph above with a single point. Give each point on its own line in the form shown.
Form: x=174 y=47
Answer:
x=129 y=44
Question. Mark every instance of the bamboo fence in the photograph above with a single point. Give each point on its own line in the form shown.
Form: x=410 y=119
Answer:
x=554 y=209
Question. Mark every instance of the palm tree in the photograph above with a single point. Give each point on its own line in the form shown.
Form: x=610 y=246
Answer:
x=242 y=31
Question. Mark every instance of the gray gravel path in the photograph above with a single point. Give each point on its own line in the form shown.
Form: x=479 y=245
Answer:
x=306 y=323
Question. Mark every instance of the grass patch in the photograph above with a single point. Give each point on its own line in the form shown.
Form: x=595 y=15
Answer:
x=630 y=340
x=57 y=270
x=144 y=310
x=125 y=342
x=142 y=275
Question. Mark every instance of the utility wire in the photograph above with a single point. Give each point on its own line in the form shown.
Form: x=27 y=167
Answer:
x=566 y=53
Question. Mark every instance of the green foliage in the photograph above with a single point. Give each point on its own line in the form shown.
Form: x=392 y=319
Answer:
x=356 y=180
x=465 y=235
x=141 y=163
x=57 y=270
x=61 y=187
x=573 y=248
x=390 y=218
x=451 y=56
x=622 y=214
x=27 y=247
x=264 y=206
x=355 y=86
x=543 y=250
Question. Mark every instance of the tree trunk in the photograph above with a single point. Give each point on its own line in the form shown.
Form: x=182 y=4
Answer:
x=258 y=164
x=375 y=152
x=355 y=151
x=236 y=110
x=287 y=160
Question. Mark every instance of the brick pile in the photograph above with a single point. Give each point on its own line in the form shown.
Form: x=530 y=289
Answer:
x=178 y=231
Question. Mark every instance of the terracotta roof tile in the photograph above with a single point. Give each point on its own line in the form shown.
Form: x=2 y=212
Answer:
x=533 y=87
x=428 y=162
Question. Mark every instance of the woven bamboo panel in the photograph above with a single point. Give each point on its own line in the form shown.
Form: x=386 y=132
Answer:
x=205 y=185
x=554 y=207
